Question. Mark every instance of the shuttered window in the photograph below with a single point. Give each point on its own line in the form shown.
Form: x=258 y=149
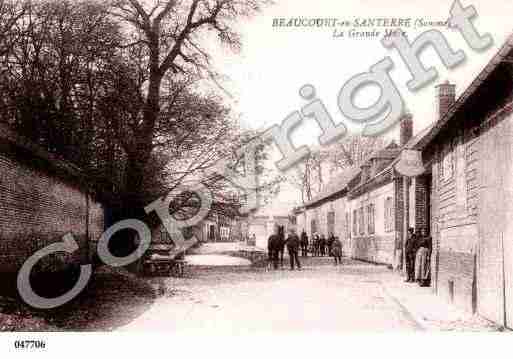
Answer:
x=370 y=219
x=389 y=214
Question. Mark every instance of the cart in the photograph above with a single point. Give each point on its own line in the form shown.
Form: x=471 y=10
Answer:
x=164 y=260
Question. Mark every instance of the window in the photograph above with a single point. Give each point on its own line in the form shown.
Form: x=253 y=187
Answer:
x=361 y=221
x=447 y=165
x=224 y=233
x=355 y=223
x=389 y=214
x=370 y=219
x=313 y=227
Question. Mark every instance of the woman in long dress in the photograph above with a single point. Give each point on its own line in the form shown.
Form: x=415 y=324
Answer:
x=422 y=259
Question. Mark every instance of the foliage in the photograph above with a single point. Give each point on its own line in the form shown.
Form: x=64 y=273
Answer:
x=116 y=88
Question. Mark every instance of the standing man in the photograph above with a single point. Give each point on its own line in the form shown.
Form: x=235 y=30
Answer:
x=331 y=239
x=281 y=245
x=410 y=249
x=336 y=250
x=322 y=245
x=273 y=245
x=304 y=244
x=316 y=242
x=293 y=249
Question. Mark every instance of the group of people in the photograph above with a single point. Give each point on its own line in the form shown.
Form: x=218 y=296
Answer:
x=320 y=246
x=417 y=249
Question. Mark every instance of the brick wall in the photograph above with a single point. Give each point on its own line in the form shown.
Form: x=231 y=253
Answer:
x=37 y=207
x=421 y=197
x=400 y=219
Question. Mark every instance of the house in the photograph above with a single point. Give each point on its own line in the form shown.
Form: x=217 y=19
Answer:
x=465 y=195
x=219 y=228
x=371 y=206
x=263 y=224
x=360 y=206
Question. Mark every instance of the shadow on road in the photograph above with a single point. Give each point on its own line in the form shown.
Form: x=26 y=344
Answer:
x=113 y=298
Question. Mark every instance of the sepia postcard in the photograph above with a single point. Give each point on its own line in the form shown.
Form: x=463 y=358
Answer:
x=256 y=177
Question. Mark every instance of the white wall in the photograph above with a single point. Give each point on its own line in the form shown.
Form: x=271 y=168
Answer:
x=376 y=197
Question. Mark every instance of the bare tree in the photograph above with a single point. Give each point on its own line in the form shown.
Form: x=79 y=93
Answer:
x=166 y=34
x=308 y=176
x=353 y=151
x=116 y=87
x=315 y=171
x=11 y=13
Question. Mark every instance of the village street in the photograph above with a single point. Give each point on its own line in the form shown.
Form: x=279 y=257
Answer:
x=241 y=299
x=321 y=297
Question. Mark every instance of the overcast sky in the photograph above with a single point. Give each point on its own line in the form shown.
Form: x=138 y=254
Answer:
x=265 y=77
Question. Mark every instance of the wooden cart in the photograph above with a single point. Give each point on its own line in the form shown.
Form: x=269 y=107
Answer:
x=164 y=260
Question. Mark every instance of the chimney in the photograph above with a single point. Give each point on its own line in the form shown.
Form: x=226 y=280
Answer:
x=446 y=95
x=406 y=130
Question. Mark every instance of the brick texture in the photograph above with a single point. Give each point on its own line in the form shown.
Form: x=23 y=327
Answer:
x=421 y=197
x=38 y=208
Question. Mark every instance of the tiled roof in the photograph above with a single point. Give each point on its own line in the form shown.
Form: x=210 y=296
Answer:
x=341 y=181
x=338 y=184
x=389 y=152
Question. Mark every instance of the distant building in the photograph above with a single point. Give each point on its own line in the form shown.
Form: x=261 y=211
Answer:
x=223 y=229
x=262 y=226
x=358 y=207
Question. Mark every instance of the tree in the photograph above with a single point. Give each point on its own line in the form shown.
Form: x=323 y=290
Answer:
x=353 y=151
x=54 y=72
x=310 y=176
x=11 y=12
x=94 y=85
x=166 y=36
x=130 y=111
